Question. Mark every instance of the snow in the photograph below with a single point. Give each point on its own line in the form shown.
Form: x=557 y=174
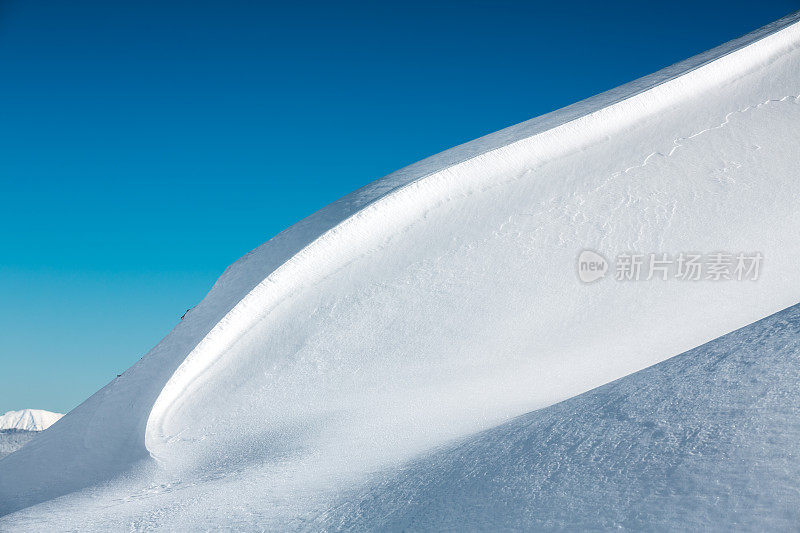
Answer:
x=28 y=420
x=707 y=440
x=12 y=440
x=440 y=302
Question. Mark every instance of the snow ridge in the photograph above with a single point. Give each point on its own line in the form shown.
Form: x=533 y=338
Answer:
x=409 y=201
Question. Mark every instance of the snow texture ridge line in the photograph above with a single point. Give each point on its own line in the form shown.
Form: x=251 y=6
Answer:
x=678 y=142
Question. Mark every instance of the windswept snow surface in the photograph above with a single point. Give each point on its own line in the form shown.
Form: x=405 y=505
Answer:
x=707 y=440
x=28 y=420
x=441 y=301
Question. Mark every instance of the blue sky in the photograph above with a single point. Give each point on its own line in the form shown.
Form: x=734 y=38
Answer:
x=147 y=145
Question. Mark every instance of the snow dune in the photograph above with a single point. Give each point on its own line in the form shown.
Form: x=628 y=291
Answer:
x=442 y=300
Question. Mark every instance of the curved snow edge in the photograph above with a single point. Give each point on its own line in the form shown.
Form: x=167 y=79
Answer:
x=539 y=139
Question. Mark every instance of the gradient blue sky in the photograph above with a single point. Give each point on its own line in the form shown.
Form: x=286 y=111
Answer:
x=146 y=145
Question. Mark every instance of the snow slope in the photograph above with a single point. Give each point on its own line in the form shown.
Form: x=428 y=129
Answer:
x=442 y=300
x=28 y=420
x=707 y=440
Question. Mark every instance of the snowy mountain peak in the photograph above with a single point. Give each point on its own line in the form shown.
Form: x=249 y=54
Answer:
x=28 y=419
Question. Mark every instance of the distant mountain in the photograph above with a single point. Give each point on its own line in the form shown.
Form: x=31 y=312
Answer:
x=28 y=420
x=17 y=428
